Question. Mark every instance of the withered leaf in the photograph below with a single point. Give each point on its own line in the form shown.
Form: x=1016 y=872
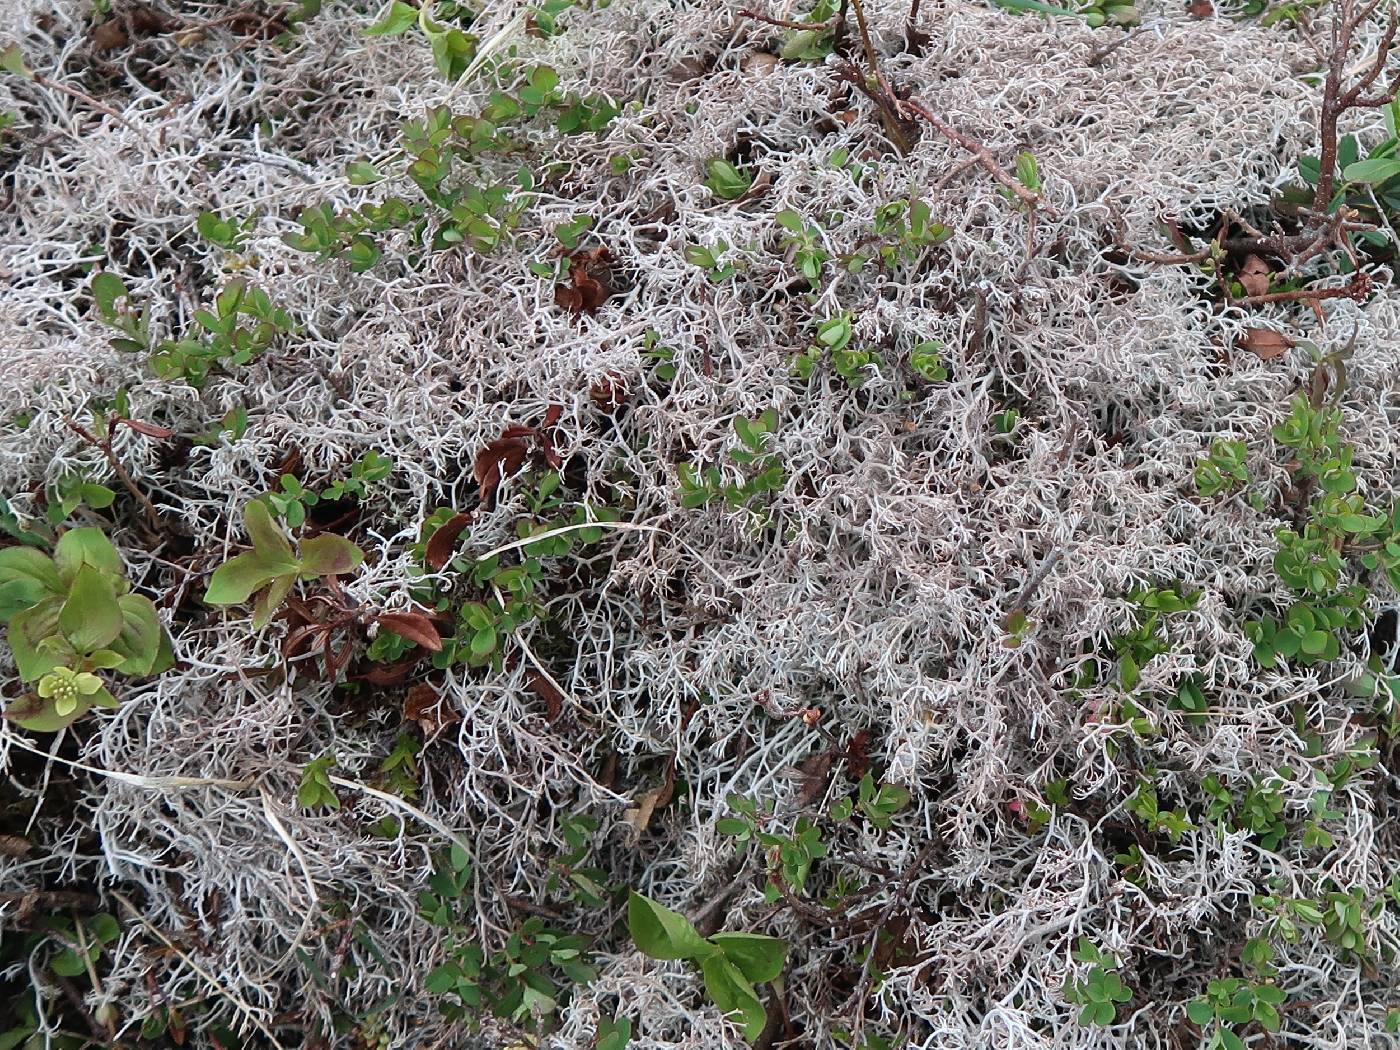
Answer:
x=545 y=690
x=814 y=773
x=500 y=458
x=443 y=542
x=150 y=430
x=588 y=287
x=415 y=627
x=426 y=706
x=1265 y=343
x=1254 y=276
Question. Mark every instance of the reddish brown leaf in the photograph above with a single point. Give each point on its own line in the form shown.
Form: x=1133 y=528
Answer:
x=426 y=706
x=150 y=430
x=552 y=697
x=588 y=288
x=1265 y=343
x=499 y=458
x=1254 y=276
x=814 y=773
x=552 y=415
x=390 y=674
x=856 y=760
x=415 y=627
x=609 y=392
x=1200 y=8
x=443 y=542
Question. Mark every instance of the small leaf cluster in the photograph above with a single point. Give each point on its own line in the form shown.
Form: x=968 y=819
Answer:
x=726 y=181
x=271 y=569
x=525 y=981
x=762 y=470
x=1137 y=647
x=241 y=323
x=1224 y=468
x=833 y=342
x=1235 y=1001
x=316 y=790
x=789 y=856
x=1100 y=990
x=908 y=230
x=731 y=963
x=72 y=616
x=878 y=806
x=291 y=498
x=1369 y=184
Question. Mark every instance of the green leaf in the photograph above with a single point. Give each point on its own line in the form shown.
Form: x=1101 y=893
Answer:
x=85 y=546
x=241 y=575
x=26 y=578
x=329 y=555
x=27 y=630
x=271 y=599
x=662 y=933
x=613 y=1035
x=1372 y=172
x=733 y=994
x=1200 y=1012
x=1314 y=642
x=757 y=957
x=11 y=61
x=138 y=643
x=90 y=617
x=266 y=537
x=107 y=288
x=397 y=18
x=68 y=963
x=1230 y=1041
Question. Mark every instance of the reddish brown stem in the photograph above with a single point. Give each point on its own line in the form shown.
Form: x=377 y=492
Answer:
x=984 y=158
x=783 y=23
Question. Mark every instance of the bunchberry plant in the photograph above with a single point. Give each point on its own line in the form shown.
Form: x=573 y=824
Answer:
x=73 y=619
x=731 y=963
x=273 y=568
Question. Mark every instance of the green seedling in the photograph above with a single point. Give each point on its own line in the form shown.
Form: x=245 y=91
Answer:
x=272 y=567
x=731 y=963
x=1100 y=990
x=72 y=617
x=1234 y=1001
x=726 y=181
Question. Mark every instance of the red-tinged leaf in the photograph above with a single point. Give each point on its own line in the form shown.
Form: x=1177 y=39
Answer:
x=390 y=674
x=150 y=430
x=588 y=288
x=856 y=759
x=1254 y=276
x=552 y=697
x=443 y=542
x=500 y=458
x=552 y=415
x=415 y=627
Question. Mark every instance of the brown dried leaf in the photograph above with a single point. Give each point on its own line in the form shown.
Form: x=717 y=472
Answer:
x=552 y=697
x=1254 y=275
x=426 y=706
x=499 y=458
x=150 y=430
x=1200 y=8
x=1265 y=343
x=415 y=627
x=609 y=392
x=814 y=773
x=640 y=815
x=588 y=288
x=443 y=542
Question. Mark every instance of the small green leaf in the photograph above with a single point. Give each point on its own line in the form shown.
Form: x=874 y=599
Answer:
x=27 y=577
x=267 y=539
x=397 y=18
x=1200 y=1012
x=85 y=546
x=662 y=933
x=138 y=643
x=27 y=630
x=11 y=61
x=107 y=288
